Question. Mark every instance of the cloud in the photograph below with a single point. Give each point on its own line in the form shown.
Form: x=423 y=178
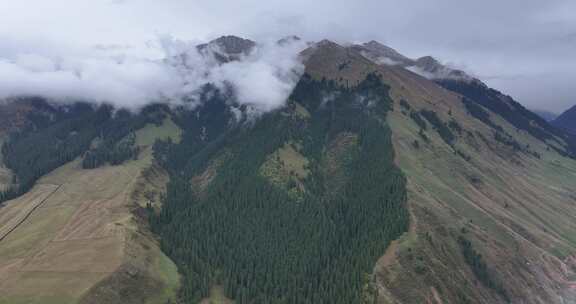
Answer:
x=266 y=77
x=421 y=72
x=526 y=37
x=386 y=61
x=262 y=79
x=68 y=75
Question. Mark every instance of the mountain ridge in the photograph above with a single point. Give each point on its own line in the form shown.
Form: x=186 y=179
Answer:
x=228 y=48
x=567 y=120
x=548 y=116
x=423 y=94
x=426 y=66
x=475 y=192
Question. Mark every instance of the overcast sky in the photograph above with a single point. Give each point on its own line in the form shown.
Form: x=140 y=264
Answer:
x=525 y=48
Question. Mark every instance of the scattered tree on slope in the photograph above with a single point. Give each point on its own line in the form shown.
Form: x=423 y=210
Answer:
x=479 y=267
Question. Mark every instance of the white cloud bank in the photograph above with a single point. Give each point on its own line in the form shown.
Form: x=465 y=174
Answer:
x=131 y=78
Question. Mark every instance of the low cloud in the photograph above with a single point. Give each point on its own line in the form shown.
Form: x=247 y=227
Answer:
x=262 y=78
x=538 y=40
x=387 y=61
x=441 y=73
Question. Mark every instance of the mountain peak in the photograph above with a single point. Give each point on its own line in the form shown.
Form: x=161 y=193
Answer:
x=288 y=39
x=567 y=120
x=379 y=52
x=426 y=66
x=377 y=46
x=373 y=42
x=328 y=43
x=330 y=60
x=430 y=67
x=228 y=48
x=233 y=44
x=428 y=63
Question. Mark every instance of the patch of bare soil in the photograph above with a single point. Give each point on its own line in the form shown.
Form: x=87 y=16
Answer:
x=216 y=297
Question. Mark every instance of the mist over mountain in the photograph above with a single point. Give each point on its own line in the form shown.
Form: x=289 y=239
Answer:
x=260 y=75
x=251 y=152
x=529 y=60
x=426 y=66
x=548 y=116
x=365 y=174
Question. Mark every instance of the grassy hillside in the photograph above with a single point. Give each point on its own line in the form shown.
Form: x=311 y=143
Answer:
x=74 y=238
x=515 y=206
x=519 y=216
x=372 y=185
x=491 y=198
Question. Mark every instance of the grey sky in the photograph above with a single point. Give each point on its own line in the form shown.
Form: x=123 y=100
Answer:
x=526 y=48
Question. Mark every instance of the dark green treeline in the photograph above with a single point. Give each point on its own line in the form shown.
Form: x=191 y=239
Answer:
x=253 y=237
x=56 y=135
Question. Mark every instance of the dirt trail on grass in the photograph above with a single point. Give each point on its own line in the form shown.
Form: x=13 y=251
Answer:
x=390 y=256
x=74 y=233
x=436 y=296
x=6 y=230
x=389 y=259
x=66 y=234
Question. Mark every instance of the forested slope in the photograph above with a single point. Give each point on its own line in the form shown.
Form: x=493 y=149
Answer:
x=99 y=134
x=371 y=185
x=271 y=234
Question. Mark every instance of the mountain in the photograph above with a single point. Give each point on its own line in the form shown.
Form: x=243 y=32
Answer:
x=486 y=174
x=567 y=120
x=373 y=184
x=381 y=53
x=228 y=48
x=476 y=93
x=69 y=232
x=546 y=115
x=426 y=66
x=432 y=68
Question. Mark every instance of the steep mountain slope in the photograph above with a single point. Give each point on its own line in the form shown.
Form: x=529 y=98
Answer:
x=374 y=184
x=477 y=184
x=513 y=112
x=294 y=207
x=567 y=120
x=383 y=54
x=75 y=236
x=228 y=48
x=476 y=93
x=490 y=197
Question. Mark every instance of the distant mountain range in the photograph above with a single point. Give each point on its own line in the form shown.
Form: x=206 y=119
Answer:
x=547 y=115
x=567 y=120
